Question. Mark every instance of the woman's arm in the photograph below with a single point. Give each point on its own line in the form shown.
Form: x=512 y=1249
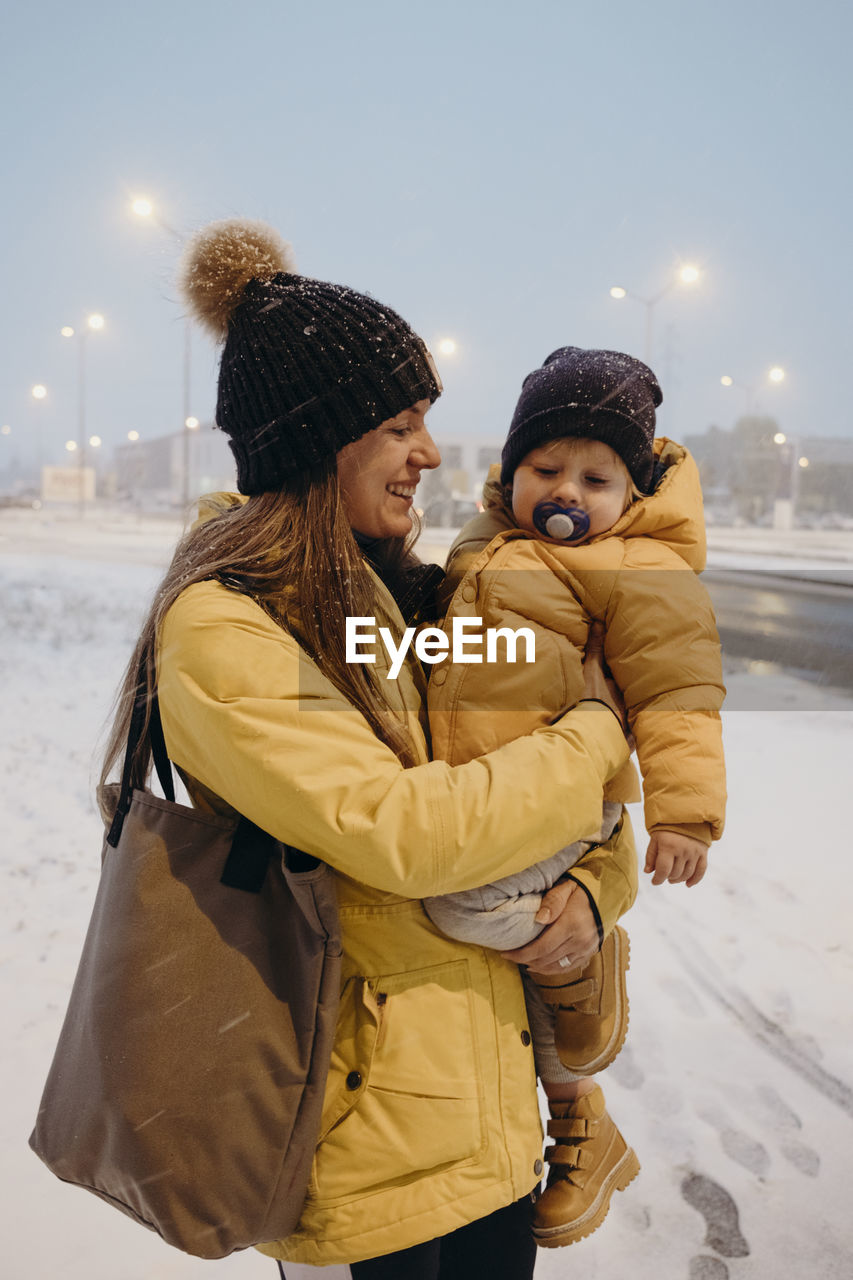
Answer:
x=246 y=713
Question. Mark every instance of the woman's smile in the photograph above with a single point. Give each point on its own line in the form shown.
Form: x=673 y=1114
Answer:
x=377 y=499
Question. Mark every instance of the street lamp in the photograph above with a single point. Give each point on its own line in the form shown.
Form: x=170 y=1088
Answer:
x=94 y=324
x=774 y=375
x=142 y=207
x=687 y=274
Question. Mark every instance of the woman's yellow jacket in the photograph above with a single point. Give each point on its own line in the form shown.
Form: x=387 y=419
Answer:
x=640 y=579
x=431 y=1116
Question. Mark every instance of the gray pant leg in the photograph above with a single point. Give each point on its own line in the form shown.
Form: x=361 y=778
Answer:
x=500 y=915
x=542 y=1021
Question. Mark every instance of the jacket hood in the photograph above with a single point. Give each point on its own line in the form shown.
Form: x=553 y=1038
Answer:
x=672 y=513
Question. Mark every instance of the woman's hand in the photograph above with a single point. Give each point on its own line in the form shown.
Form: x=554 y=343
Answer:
x=572 y=937
x=598 y=683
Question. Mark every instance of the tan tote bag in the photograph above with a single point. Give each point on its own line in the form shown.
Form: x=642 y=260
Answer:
x=187 y=1084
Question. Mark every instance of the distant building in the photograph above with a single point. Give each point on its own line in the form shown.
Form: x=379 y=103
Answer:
x=153 y=471
x=747 y=471
x=448 y=495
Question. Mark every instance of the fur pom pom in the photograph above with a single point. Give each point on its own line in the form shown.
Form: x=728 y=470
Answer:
x=220 y=260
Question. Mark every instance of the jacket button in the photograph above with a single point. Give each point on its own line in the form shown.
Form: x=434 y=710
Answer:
x=537 y=1168
x=354 y=1080
x=525 y=1038
x=468 y=593
x=439 y=675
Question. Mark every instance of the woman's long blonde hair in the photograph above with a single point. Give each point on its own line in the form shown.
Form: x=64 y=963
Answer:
x=294 y=553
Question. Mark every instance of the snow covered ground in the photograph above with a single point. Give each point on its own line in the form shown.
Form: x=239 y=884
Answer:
x=735 y=1086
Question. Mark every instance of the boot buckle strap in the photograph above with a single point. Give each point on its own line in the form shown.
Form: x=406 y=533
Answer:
x=570 y=994
x=570 y=1127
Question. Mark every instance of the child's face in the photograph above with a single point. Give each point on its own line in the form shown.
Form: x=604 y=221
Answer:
x=575 y=473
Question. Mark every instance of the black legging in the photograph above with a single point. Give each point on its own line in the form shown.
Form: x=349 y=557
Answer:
x=500 y=1246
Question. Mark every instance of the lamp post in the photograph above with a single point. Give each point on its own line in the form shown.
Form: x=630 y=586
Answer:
x=785 y=509
x=142 y=207
x=5 y=430
x=685 y=275
x=39 y=393
x=94 y=324
x=191 y=424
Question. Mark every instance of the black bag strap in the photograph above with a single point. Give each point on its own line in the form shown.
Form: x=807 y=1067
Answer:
x=158 y=750
x=251 y=849
x=162 y=763
x=246 y=864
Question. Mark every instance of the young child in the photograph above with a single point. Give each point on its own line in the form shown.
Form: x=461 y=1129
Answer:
x=592 y=520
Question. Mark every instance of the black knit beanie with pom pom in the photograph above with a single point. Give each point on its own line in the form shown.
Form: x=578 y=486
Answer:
x=307 y=367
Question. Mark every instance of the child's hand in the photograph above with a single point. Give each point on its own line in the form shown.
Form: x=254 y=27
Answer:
x=676 y=858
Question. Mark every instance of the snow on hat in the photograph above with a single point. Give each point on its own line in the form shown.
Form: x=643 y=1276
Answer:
x=599 y=395
x=307 y=367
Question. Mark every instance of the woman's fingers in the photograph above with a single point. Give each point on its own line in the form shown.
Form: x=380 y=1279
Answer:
x=598 y=684
x=575 y=952
x=555 y=901
x=572 y=937
x=595 y=641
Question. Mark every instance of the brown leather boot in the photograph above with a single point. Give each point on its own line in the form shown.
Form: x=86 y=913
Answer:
x=591 y=1006
x=589 y=1161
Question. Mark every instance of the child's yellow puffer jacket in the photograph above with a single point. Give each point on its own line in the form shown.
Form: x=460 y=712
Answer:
x=640 y=579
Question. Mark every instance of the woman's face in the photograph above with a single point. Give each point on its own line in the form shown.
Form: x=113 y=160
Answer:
x=378 y=473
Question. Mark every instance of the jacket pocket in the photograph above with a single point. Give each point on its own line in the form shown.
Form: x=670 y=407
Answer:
x=405 y=1092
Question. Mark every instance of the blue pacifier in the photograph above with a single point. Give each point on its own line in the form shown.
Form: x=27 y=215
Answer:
x=563 y=524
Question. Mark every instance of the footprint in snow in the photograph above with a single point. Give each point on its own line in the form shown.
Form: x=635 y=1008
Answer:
x=664 y=1102
x=739 y=1147
x=685 y=998
x=626 y=1071
x=703 y=1267
x=802 y=1157
x=720 y=1213
x=777 y=1108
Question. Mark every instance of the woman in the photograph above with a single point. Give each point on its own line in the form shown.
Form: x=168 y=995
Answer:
x=431 y=1119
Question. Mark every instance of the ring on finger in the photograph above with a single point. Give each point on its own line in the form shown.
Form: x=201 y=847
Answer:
x=564 y=962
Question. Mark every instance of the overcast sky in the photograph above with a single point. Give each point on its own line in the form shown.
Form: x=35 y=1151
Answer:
x=488 y=169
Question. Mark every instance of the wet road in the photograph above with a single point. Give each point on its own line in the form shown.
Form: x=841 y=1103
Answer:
x=801 y=622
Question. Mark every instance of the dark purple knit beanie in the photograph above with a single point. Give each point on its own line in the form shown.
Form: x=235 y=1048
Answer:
x=598 y=395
